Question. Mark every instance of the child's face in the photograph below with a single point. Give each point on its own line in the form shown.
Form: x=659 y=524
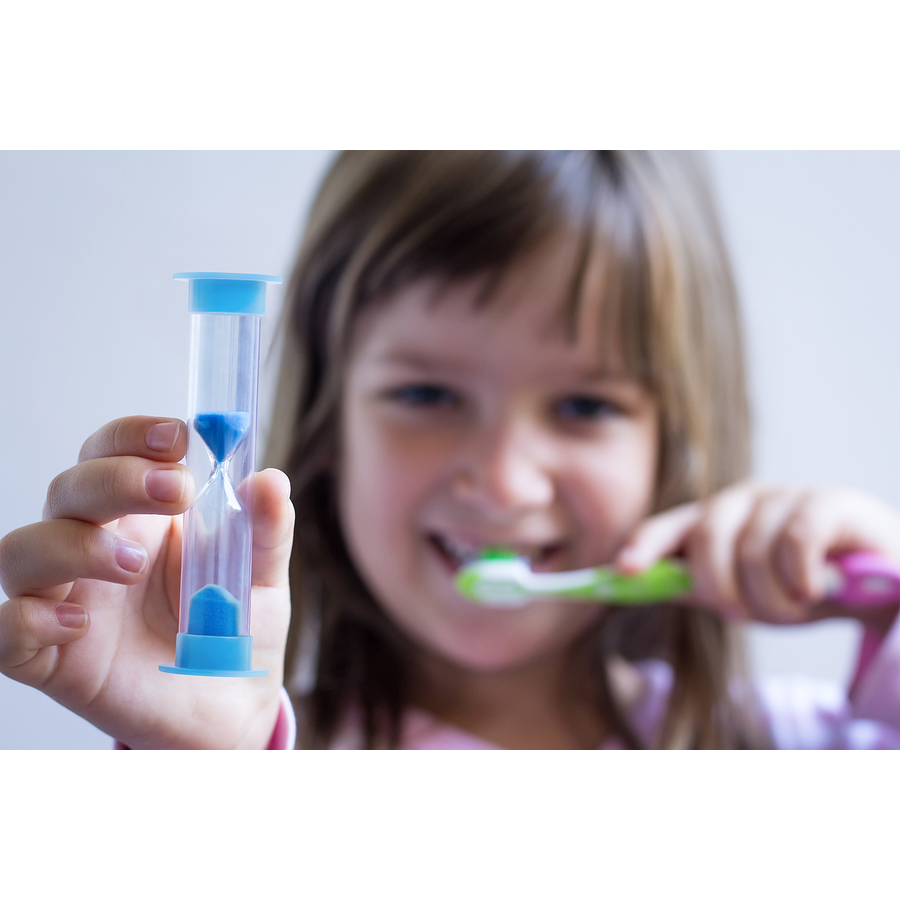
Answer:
x=463 y=428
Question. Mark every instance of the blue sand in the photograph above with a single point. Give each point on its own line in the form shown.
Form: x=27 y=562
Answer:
x=222 y=432
x=214 y=612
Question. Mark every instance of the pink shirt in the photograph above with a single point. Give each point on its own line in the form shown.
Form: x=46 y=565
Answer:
x=798 y=712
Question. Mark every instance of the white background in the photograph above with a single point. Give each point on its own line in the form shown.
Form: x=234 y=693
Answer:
x=92 y=327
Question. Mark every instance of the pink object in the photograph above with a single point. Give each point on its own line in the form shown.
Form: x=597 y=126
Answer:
x=865 y=579
x=284 y=735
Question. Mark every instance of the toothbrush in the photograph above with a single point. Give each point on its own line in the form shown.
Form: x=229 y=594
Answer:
x=501 y=578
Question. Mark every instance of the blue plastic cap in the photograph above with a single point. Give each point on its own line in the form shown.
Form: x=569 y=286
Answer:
x=227 y=293
x=211 y=655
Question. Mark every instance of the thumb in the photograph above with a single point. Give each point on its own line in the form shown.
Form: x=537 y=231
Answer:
x=273 y=529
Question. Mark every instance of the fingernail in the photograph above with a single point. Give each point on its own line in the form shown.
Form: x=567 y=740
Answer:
x=130 y=557
x=166 y=485
x=162 y=435
x=70 y=616
x=630 y=558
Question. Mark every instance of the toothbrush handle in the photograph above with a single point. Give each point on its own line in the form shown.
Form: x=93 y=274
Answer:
x=857 y=580
x=865 y=579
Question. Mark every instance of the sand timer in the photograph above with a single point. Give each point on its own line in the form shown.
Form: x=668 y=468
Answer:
x=214 y=617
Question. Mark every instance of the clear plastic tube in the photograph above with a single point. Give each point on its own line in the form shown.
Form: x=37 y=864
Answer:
x=214 y=616
x=218 y=528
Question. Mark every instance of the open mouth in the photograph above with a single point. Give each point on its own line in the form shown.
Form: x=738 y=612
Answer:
x=456 y=553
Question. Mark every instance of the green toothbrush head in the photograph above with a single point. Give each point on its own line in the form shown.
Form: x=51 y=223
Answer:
x=498 y=553
x=498 y=577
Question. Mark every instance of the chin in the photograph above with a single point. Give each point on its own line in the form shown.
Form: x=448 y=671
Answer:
x=496 y=651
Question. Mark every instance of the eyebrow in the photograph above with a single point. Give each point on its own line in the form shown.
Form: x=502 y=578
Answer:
x=407 y=358
x=417 y=360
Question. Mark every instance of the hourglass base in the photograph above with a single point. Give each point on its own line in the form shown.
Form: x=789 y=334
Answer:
x=206 y=654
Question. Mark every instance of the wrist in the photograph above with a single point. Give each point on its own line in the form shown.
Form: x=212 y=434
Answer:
x=275 y=728
x=260 y=734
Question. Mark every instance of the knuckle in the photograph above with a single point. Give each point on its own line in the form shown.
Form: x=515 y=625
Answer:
x=751 y=552
x=752 y=547
x=9 y=559
x=107 y=441
x=24 y=618
x=752 y=540
x=806 y=518
x=796 y=533
x=82 y=543
x=86 y=449
x=119 y=437
x=115 y=480
x=55 y=491
x=18 y=627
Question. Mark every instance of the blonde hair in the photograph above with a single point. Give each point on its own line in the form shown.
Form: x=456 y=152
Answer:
x=384 y=219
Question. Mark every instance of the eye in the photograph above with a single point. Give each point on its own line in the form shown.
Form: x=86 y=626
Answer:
x=586 y=409
x=426 y=396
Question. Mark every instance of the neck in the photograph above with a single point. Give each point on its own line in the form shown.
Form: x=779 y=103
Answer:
x=533 y=706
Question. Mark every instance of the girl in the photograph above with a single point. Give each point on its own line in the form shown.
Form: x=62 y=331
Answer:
x=535 y=350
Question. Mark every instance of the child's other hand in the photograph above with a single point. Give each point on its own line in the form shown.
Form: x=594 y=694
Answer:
x=94 y=587
x=758 y=552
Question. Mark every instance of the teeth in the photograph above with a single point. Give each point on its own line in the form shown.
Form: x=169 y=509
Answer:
x=465 y=551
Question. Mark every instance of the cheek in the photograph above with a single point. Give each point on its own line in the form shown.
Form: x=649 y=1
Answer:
x=370 y=494
x=384 y=480
x=611 y=491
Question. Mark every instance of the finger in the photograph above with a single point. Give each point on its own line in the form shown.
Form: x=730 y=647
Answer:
x=658 y=536
x=164 y=440
x=54 y=553
x=103 y=490
x=29 y=625
x=273 y=528
x=710 y=552
x=764 y=590
x=828 y=522
x=800 y=550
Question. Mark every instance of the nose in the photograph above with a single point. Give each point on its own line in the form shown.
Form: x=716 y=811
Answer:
x=506 y=469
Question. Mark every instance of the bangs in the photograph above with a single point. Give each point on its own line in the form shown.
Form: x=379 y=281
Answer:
x=475 y=215
x=471 y=214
